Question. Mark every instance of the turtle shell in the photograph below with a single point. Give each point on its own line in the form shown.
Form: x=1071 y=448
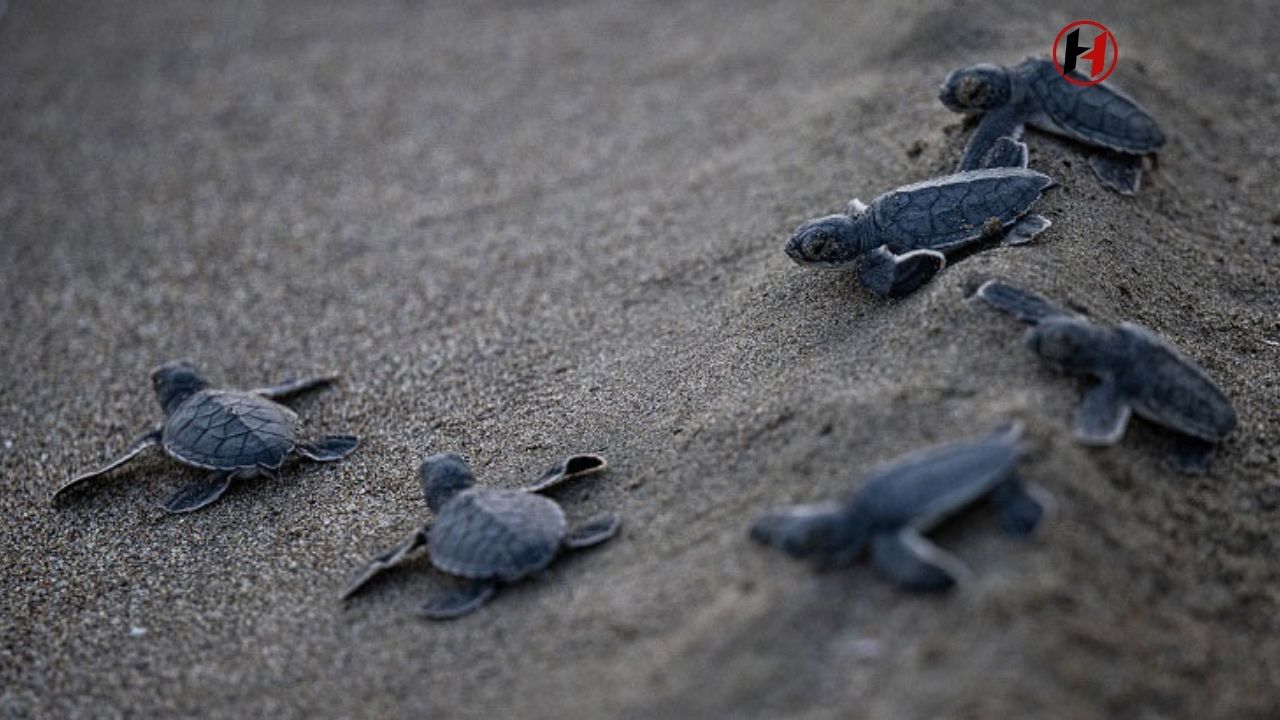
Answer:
x=1168 y=388
x=227 y=430
x=925 y=487
x=496 y=534
x=1097 y=114
x=954 y=210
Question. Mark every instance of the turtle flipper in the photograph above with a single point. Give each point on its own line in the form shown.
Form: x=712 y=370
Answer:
x=1102 y=415
x=143 y=442
x=1026 y=229
x=456 y=603
x=1022 y=304
x=574 y=466
x=1006 y=152
x=1121 y=172
x=328 y=449
x=293 y=387
x=986 y=144
x=197 y=495
x=913 y=562
x=386 y=559
x=893 y=276
x=1022 y=507
x=593 y=533
x=1192 y=455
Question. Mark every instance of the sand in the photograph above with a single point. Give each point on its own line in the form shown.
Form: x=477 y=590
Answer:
x=521 y=233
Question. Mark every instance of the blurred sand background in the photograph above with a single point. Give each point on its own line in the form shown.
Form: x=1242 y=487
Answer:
x=521 y=232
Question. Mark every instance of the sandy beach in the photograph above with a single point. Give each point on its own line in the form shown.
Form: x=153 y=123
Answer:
x=524 y=232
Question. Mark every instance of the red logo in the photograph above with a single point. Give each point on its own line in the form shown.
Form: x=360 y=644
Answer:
x=1097 y=51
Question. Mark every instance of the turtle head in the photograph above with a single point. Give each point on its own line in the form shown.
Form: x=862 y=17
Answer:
x=1071 y=344
x=830 y=532
x=175 y=381
x=976 y=88
x=443 y=476
x=828 y=242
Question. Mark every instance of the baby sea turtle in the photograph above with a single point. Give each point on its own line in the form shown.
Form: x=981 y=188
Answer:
x=489 y=536
x=236 y=434
x=1033 y=92
x=902 y=500
x=897 y=243
x=1138 y=371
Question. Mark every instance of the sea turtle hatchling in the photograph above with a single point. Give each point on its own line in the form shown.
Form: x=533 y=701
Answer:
x=236 y=434
x=898 y=242
x=1138 y=371
x=489 y=536
x=902 y=500
x=1033 y=92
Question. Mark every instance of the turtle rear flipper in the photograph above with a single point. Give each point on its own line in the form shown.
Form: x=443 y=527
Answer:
x=197 y=495
x=293 y=387
x=1102 y=415
x=1121 y=172
x=893 y=276
x=1026 y=229
x=456 y=603
x=328 y=449
x=593 y=533
x=384 y=560
x=574 y=466
x=913 y=562
x=141 y=443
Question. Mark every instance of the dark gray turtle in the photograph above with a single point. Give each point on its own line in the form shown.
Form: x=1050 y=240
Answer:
x=236 y=434
x=897 y=243
x=1138 y=371
x=489 y=536
x=1033 y=92
x=902 y=500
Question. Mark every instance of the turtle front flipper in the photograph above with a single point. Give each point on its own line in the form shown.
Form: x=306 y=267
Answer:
x=574 y=466
x=384 y=560
x=593 y=533
x=1022 y=507
x=1022 y=304
x=456 y=603
x=328 y=449
x=1006 y=152
x=907 y=558
x=985 y=145
x=143 y=442
x=1121 y=172
x=197 y=495
x=893 y=276
x=293 y=387
x=1102 y=415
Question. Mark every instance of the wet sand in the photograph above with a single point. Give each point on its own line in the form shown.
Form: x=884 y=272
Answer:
x=520 y=233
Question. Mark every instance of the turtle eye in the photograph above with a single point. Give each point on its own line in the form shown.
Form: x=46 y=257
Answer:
x=820 y=245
